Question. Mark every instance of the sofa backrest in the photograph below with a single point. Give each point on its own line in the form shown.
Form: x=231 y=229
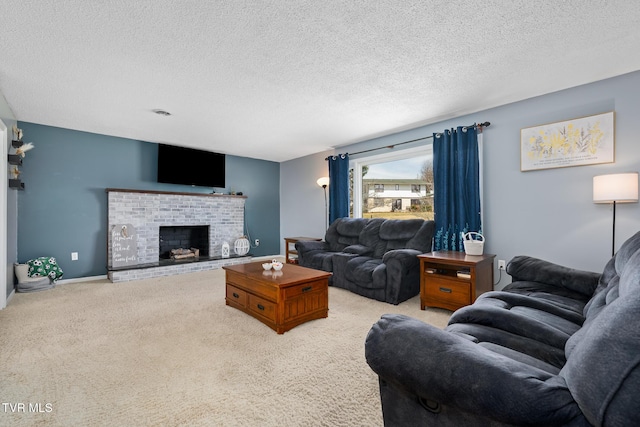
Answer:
x=370 y=237
x=380 y=235
x=603 y=357
x=344 y=232
x=607 y=287
x=405 y=234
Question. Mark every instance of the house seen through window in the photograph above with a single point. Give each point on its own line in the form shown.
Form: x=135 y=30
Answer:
x=395 y=185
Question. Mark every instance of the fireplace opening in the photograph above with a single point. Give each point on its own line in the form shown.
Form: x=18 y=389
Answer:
x=182 y=239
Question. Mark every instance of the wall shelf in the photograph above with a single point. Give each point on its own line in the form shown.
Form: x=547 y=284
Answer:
x=16 y=183
x=15 y=159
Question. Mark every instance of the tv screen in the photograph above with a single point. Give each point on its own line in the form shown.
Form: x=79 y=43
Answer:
x=188 y=166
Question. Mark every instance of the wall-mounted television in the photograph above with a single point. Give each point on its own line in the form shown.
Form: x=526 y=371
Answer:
x=188 y=166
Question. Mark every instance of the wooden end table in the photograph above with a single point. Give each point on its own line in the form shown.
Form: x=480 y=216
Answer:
x=291 y=255
x=281 y=299
x=452 y=280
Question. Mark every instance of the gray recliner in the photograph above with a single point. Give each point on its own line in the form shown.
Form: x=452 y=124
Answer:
x=557 y=346
x=376 y=258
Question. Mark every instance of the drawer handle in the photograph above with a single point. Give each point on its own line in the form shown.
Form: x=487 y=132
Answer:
x=447 y=290
x=260 y=307
x=236 y=295
x=307 y=289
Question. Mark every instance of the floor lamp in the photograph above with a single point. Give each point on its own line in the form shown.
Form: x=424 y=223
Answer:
x=615 y=188
x=324 y=183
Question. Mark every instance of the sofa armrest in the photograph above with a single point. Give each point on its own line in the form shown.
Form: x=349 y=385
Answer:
x=525 y=268
x=311 y=245
x=407 y=257
x=358 y=250
x=452 y=371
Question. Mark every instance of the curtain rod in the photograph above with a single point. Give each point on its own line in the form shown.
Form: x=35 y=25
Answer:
x=481 y=125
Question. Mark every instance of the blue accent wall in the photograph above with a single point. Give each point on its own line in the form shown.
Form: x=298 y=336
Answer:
x=63 y=208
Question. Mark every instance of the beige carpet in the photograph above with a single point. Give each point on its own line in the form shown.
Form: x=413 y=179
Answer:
x=168 y=352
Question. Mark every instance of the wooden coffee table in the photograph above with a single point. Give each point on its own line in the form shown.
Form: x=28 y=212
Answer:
x=280 y=299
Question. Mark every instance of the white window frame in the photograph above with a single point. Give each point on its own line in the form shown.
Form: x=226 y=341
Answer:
x=357 y=164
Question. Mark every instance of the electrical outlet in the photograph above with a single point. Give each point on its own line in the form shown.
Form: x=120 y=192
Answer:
x=74 y=256
x=257 y=242
x=501 y=264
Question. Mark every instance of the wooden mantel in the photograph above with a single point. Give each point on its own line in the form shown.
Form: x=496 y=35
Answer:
x=178 y=193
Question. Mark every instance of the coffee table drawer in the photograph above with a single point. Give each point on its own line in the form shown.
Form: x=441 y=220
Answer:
x=262 y=307
x=236 y=295
x=258 y=285
x=304 y=288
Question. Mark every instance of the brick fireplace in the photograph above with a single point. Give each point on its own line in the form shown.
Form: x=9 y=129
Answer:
x=219 y=217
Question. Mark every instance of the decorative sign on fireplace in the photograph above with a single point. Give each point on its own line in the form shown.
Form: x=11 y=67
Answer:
x=124 y=245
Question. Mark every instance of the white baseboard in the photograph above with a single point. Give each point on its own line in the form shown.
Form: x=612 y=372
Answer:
x=13 y=292
x=82 y=279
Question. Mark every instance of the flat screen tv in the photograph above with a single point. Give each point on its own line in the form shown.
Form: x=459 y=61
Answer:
x=188 y=166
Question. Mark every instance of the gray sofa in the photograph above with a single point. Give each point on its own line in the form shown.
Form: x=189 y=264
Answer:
x=376 y=258
x=556 y=347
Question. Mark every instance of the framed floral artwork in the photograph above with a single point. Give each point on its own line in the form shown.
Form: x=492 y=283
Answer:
x=583 y=141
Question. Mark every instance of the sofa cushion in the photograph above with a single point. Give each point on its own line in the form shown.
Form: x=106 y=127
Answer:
x=477 y=333
x=319 y=260
x=521 y=357
x=535 y=324
x=367 y=272
x=561 y=297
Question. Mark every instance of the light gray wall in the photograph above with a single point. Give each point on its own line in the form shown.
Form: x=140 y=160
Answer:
x=9 y=121
x=549 y=213
x=302 y=208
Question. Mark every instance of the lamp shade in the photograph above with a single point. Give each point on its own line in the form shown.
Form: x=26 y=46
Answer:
x=619 y=188
x=323 y=182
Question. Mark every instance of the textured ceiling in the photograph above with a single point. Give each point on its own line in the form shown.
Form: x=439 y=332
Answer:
x=280 y=79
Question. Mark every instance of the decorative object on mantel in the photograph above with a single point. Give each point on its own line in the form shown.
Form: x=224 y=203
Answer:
x=225 y=250
x=577 y=142
x=241 y=246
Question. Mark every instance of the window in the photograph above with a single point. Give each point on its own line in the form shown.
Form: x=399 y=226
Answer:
x=408 y=172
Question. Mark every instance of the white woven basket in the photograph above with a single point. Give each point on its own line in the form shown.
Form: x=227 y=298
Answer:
x=473 y=243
